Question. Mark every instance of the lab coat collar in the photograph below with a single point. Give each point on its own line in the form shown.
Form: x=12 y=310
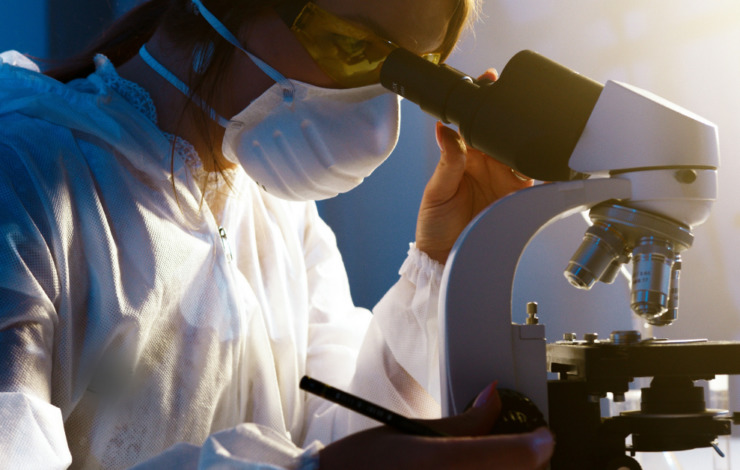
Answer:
x=90 y=106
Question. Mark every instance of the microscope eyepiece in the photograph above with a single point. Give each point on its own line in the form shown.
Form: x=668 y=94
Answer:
x=529 y=119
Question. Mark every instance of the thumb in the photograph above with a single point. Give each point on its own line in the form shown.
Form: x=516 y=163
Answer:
x=443 y=184
x=478 y=419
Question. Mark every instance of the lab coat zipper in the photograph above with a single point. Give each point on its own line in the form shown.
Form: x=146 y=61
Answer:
x=225 y=243
x=235 y=274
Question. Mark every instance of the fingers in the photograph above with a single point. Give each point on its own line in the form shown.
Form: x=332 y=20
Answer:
x=386 y=448
x=489 y=74
x=456 y=158
x=451 y=146
x=520 y=176
x=498 y=179
x=476 y=421
x=451 y=167
x=481 y=450
x=507 y=452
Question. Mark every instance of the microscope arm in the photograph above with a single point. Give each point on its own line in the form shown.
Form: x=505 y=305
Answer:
x=479 y=343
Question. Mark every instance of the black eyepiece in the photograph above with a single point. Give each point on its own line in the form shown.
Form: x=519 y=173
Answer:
x=529 y=119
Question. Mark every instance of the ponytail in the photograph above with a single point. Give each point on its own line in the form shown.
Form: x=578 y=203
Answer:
x=119 y=43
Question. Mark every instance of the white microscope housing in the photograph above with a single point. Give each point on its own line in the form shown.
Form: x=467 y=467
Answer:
x=646 y=171
x=652 y=170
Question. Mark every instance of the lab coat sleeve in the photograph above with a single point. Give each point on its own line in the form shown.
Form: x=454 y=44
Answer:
x=389 y=357
x=400 y=353
x=244 y=447
x=32 y=431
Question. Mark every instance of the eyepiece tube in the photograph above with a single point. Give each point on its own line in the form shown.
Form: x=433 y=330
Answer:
x=422 y=82
x=530 y=119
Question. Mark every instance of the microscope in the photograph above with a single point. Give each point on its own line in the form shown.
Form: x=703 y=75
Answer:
x=646 y=172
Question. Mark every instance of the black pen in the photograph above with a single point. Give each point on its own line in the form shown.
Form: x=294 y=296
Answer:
x=368 y=409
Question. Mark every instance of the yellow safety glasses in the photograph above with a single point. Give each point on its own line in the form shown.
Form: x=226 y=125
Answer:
x=349 y=54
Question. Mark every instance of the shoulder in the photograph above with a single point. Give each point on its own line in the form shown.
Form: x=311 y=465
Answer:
x=16 y=59
x=31 y=145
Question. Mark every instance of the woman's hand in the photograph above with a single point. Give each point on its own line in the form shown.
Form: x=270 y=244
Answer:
x=465 y=182
x=389 y=449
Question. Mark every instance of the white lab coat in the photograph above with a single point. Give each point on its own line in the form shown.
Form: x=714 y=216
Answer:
x=129 y=325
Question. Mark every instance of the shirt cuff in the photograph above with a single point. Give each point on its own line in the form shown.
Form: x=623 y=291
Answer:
x=418 y=265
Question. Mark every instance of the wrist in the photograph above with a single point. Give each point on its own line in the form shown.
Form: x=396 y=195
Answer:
x=438 y=255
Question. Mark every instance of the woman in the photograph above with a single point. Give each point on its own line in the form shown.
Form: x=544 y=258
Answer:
x=165 y=278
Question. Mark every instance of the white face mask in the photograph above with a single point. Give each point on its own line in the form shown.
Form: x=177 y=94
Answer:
x=303 y=142
x=323 y=143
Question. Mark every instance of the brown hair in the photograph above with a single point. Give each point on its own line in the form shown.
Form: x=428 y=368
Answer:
x=185 y=27
x=123 y=39
x=178 y=20
x=466 y=12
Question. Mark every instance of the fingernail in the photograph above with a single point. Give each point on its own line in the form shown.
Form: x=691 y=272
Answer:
x=543 y=443
x=438 y=134
x=520 y=176
x=485 y=395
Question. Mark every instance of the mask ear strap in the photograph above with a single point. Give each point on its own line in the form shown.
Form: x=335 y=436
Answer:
x=287 y=86
x=180 y=85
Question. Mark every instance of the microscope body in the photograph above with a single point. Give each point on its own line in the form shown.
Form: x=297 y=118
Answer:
x=652 y=177
x=646 y=170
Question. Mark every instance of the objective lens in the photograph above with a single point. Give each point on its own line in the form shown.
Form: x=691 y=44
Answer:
x=612 y=271
x=671 y=313
x=598 y=257
x=651 y=277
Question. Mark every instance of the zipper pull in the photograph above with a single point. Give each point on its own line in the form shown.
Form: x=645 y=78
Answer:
x=225 y=243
